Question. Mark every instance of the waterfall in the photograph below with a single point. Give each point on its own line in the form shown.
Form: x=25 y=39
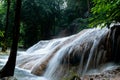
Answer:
x=74 y=49
x=61 y=58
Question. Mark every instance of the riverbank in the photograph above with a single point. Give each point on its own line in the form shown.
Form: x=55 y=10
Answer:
x=106 y=75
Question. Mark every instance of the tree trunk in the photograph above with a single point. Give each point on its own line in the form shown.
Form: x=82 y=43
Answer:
x=8 y=69
x=88 y=5
x=4 y=46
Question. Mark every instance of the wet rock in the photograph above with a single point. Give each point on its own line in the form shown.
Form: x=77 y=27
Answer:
x=75 y=78
x=9 y=78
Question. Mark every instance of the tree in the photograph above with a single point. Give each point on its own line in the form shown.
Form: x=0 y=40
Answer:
x=105 y=12
x=4 y=45
x=8 y=69
x=77 y=13
x=6 y=40
x=2 y=14
x=39 y=18
x=1 y=36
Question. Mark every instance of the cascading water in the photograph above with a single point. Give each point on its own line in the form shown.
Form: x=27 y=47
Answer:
x=61 y=58
x=63 y=62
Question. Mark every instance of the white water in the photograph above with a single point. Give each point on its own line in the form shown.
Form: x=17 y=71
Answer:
x=65 y=57
x=20 y=74
x=53 y=71
x=94 y=49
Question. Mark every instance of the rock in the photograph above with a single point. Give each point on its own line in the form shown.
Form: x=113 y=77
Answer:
x=9 y=78
x=75 y=78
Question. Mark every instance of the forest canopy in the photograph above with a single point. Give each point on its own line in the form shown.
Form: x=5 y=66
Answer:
x=47 y=19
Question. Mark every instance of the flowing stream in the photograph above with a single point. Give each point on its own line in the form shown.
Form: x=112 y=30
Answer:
x=89 y=51
x=20 y=74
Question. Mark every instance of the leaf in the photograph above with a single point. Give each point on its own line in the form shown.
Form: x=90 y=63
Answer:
x=105 y=11
x=1 y=33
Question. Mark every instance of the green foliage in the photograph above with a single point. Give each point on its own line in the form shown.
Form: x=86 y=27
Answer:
x=105 y=12
x=2 y=14
x=1 y=36
x=3 y=11
x=44 y=19
x=76 y=15
x=2 y=17
x=1 y=33
x=38 y=17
